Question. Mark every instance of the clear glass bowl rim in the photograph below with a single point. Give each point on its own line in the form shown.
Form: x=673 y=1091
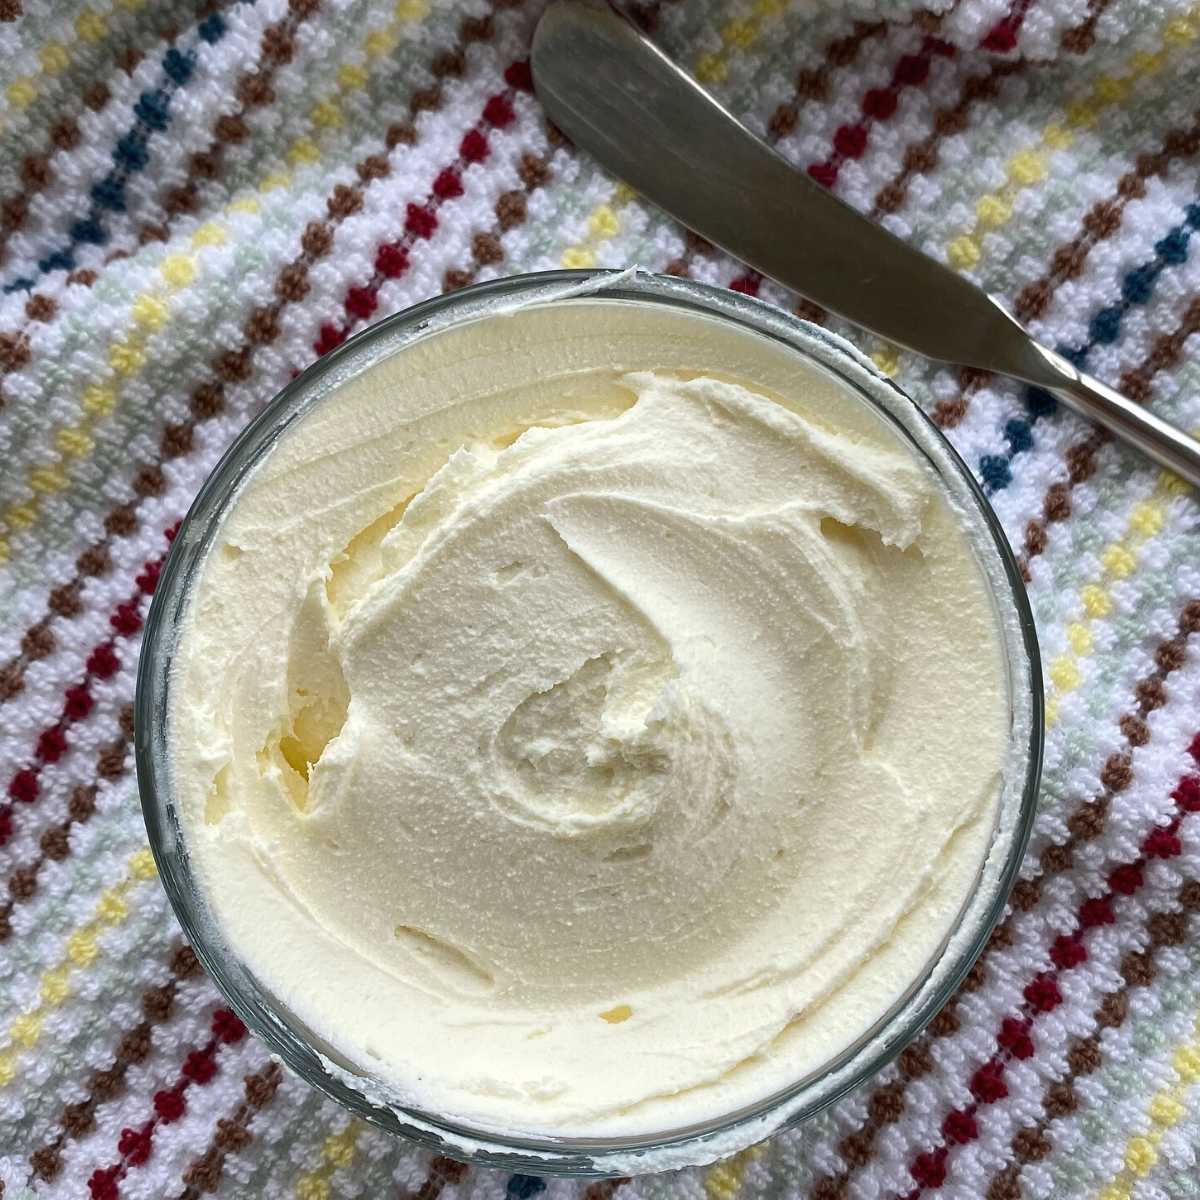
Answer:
x=575 y=1155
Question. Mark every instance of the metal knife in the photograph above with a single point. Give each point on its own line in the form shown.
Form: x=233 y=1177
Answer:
x=616 y=95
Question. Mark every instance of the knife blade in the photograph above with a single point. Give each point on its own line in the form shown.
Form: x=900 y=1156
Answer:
x=619 y=97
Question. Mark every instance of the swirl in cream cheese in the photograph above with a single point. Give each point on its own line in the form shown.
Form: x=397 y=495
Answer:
x=601 y=751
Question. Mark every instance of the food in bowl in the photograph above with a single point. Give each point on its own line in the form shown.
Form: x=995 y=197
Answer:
x=589 y=720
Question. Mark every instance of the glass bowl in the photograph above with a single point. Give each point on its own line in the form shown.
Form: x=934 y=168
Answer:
x=319 y=1063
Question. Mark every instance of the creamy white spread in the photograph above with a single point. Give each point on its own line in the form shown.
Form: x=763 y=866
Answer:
x=589 y=720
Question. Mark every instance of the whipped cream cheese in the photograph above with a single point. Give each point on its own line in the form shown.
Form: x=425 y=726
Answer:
x=589 y=720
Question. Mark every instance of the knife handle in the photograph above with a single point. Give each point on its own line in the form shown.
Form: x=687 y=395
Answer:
x=1166 y=444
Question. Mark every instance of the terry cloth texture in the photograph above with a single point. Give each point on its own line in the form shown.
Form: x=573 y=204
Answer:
x=199 y=198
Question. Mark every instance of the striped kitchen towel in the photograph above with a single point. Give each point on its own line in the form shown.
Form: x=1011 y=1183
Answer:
x=199 y=198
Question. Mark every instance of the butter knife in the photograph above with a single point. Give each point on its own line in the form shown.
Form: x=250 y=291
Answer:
x=617 y=96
